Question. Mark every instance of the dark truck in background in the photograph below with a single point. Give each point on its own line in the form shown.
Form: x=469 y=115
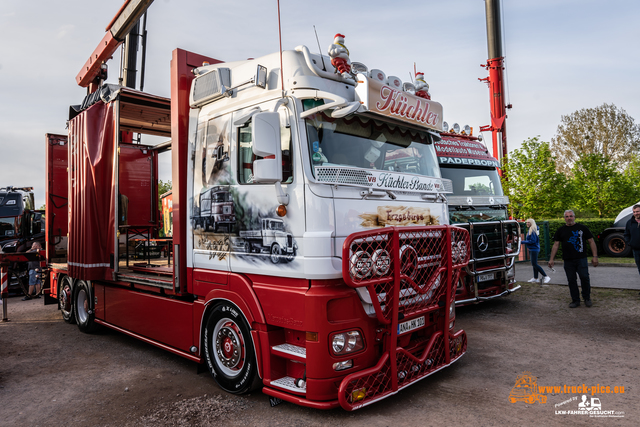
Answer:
x=479 y=205
x=612 y=238
x=20 y=225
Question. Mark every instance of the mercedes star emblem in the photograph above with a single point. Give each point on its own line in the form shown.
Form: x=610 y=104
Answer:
x=483 y=242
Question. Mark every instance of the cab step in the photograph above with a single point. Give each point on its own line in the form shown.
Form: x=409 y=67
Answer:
x=288 y=383
x=290 y=351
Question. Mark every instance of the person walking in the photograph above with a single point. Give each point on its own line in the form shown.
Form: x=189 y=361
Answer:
x=574 y=237
x=632 y=234
x=34 y=273
x=532 y=241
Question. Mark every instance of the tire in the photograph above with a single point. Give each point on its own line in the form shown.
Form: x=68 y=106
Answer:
x=276 y=253
x=83 y=307
x=15 y=283
x=65 y=299
x=229 y=350
x=615 y=246
x=247 y=247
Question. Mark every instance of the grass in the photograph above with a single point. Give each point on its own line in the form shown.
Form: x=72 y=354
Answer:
x=614 y=260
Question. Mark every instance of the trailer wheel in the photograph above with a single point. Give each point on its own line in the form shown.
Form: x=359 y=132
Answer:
x=275 y=253
x=82 y=302
x=229 y=350
x=65 y=299
x=247 y=247
x=614 y=245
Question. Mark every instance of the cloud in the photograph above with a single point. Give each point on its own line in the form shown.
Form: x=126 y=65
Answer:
x=64 y=30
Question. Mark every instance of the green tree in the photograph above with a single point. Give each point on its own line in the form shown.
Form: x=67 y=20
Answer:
x=606 y=130
x=163 y=187
x=600 y=187
x=631 y=176
x=534 y=187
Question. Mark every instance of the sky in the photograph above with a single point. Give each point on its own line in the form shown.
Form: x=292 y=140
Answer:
x=560 y=56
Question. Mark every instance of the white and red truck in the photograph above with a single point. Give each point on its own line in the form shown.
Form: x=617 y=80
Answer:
x=478 y=204
x=357 y=300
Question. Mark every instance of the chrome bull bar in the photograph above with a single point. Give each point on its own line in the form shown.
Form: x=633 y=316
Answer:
x=508 y=258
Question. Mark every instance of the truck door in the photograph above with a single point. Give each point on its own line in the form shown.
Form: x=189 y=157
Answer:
x=212 y=216
x=57 y=197
x=266 y=242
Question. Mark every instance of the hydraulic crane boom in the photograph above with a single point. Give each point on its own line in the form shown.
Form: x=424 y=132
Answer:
x=495 y=66
x=117 y=30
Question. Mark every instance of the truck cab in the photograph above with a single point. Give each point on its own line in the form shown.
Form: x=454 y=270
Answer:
x=20 y=226
x=20 y=223
x=479 y=205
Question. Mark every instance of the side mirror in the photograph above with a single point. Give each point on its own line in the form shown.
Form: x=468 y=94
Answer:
x=265 y=134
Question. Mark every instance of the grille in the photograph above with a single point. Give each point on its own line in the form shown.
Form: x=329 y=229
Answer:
x=343 y=176
x=487 y=240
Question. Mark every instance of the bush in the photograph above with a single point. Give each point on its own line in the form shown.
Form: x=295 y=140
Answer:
x=595 y=225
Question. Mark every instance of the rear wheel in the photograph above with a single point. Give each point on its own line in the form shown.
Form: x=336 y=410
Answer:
x=65 y=299
x=614 y=245
x=84 y=311
x=229 y=350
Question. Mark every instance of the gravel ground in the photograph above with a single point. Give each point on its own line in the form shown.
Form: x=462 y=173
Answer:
x=51 y=374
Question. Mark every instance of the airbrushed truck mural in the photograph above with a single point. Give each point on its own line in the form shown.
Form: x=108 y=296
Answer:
x=223 y=219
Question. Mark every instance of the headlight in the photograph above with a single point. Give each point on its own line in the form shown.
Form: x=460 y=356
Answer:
x=346 y=342
x=452 y=314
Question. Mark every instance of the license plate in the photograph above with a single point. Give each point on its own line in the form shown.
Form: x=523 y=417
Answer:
x=410 y=325
x=485 y=277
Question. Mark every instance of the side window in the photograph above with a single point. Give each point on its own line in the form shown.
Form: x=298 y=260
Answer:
x=246 y=156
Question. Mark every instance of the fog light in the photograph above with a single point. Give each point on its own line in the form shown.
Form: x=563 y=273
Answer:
x=341 y=366
x=358 y=395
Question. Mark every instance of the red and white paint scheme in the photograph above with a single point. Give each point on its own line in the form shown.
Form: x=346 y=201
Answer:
x=311 y=253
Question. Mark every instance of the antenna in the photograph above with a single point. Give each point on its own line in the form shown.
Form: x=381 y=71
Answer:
x=324 y=68
x=280 y=35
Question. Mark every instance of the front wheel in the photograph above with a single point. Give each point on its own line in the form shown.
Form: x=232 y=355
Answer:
x=65 y=298
x=229 y=350
x=82 y=302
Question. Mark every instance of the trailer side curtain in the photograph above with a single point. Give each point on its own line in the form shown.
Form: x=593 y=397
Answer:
x=91 y=187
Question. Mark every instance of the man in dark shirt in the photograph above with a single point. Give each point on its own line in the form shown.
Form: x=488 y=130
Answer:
x=632 y=234
x=574 y=253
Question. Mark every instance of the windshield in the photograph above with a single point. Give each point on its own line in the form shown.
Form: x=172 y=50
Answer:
x=7 y=227
x=275 y=225
x=473 y=182
x=361 y=142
